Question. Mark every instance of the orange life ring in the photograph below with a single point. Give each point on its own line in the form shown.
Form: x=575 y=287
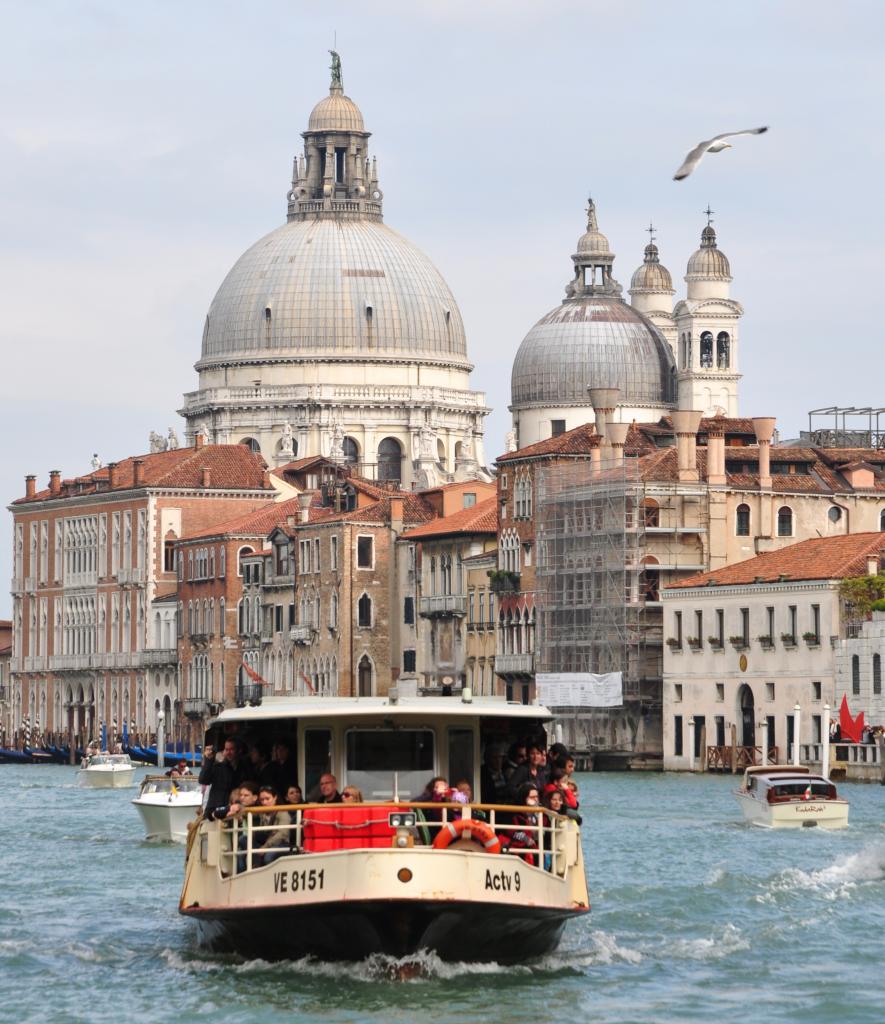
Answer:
x=479 y=831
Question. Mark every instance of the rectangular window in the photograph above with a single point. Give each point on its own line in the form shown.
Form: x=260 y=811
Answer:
x=815 y=622
x=720 y=692
x=557 y=427
x=816 y=690
x=793 y=622
x=365 y=552
x=409 y=611
x=491 y=610
x=720 y=626
x=278 y=619
x=769 y=691
x=482 y=606
x=677 y=693
x=745 y=625
x=677 y=629
x=409 y=661
x=291 y=615
x=772 y=739
x=333 y=552
x=316 y=554
x=815 y=729
x=469 y=499
x=720 y=730
x=699 y=627
x=699 y=734
x=677 y=735
x=769 y=612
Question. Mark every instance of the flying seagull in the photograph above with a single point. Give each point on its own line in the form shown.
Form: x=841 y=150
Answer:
x=714 y=145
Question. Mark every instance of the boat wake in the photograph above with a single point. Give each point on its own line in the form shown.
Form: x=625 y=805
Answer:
x=836 y=881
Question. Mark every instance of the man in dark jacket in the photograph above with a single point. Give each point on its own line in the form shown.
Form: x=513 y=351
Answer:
x=535 y=771
x=221 y=772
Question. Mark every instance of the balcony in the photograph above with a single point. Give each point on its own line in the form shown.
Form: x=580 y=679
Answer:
x=129 y=577
x=158 y=656
x=35 y=663
x=514 y=664
x=443 y=606
x=196 y=707
x=501 y=581
x=30 y=584
x=301 y=634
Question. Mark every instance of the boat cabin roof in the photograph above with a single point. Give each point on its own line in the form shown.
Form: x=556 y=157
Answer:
x=108 y=759
x=778 y=769
x=370 y=707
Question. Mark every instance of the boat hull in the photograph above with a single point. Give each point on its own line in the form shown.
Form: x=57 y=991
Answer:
x=454 y=930
x=166 y=822
x=826 y=814
x=94 y=778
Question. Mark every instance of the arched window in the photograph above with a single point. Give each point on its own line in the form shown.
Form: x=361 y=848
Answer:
x=433 y=575
x=882 y=519
x=651 y=514
x=365 y=677
x=390 y=460
x=240 y=554
x=855 y=674
x=877 y=674
x=221 y=607
x=333 y=611
x=785 y=521
x=251 y=444
x=723 y=350
x=706 y=350
x=351 y=451
x=364 y=612
x=742 y=521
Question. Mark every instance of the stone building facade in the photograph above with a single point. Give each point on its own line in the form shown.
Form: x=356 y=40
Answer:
x=93 y=557
x=748 y=643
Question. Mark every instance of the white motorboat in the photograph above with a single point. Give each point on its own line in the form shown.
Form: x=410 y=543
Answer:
x=107 y=771
x=790 y=796
x=474 y=881
x=166 y=805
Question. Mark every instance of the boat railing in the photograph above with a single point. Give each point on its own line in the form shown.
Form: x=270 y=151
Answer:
x=538 y=836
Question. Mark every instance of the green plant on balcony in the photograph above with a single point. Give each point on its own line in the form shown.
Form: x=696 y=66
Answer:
x=694 y=642
x=715 y=642
x=738 y=642
x=503 y=581
x=673 y=643
x=788 y=639
x=812 y=639
x=766 y=641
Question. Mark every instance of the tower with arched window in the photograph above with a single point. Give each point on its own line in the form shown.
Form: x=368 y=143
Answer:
x=707 y=333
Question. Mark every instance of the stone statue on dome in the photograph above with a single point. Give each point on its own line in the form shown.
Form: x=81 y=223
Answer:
x=172 y=440
x=336 y=444
x=157 y=442
x=426 y=438
x=287 y=446
x=335 y=68
x=96 y=462
x=202 y=432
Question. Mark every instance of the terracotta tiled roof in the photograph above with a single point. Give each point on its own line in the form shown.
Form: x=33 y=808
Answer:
x=481 y=518
x=230 y=466
x=821 y=558
x=578 y=441
x=415 y=510
x=257 y=523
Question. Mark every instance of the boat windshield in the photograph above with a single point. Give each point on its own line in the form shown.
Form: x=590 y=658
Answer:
x=374 y=755
x=165 y=784
x=801 y=788
x=109 y=759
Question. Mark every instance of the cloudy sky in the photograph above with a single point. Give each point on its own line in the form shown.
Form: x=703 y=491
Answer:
x=144 y=147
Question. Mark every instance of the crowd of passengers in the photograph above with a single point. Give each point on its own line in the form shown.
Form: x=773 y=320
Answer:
x=525 y=775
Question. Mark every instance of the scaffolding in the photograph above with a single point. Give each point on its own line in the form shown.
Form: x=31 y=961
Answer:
x=847 y=426
x=607 y=542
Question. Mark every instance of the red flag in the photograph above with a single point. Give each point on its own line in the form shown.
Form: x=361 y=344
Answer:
x=850 y=728
x=254 y=676
x=308 y=682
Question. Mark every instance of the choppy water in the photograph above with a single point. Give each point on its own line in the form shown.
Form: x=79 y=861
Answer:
x=696 y=917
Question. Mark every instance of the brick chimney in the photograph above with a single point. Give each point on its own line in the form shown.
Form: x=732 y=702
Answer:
x=616 y=434
x=112 y=475
x=685 y=425
x=199 y=440
x=764 y=427
x=30 y=486
x=304 y=500
x=55 y=481
x=396 y=512
x=138 y=473
x=205 y=475
x=715 y=452
x=604 y=402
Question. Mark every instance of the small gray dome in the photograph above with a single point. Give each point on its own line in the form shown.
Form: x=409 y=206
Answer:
x=708 y=261
x=652 y=276
x=334 y=288
x=336 y=113
x=593 y=341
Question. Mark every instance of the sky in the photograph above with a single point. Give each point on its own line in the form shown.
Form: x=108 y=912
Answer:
x=144 y=147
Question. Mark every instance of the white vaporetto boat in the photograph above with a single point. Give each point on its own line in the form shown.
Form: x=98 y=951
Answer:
x=167 y=805
x=790 y=796
x=107 y=771
x=388 y=875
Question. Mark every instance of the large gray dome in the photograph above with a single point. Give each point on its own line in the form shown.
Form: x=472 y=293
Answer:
x=339 y=288
x=593 y=341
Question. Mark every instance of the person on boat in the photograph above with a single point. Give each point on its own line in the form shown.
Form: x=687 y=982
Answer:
x=568 y=800
x=554 y=799
x=294 y=795
x=435 y=792
x=220 y=772
x=261 y=767
x=267 y=846
x=283 y=767
x=517 y=756
x=178 y=771
x=492 y=780
x=328 y=790
x=352 y=795
x=524 y=835
x=535 y=771
x=557 y=755
x=228 y=810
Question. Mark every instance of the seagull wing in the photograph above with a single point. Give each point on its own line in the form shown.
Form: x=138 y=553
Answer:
x=695 y=156
x=693 y=159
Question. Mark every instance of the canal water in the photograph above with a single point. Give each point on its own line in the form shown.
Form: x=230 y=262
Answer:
x=696 y=917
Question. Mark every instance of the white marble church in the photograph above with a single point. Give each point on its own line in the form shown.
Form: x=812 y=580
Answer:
x=333 y=335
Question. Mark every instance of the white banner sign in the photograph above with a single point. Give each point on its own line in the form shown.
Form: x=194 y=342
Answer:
x=580 y=689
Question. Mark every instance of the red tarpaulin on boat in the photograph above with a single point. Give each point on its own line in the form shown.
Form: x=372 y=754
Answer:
x=850 y=728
